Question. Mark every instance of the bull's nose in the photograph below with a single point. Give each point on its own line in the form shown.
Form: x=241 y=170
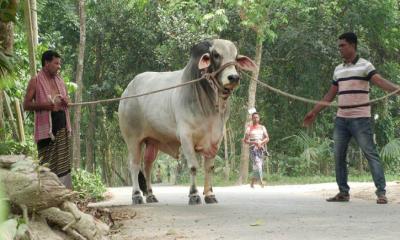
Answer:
x=234 y=78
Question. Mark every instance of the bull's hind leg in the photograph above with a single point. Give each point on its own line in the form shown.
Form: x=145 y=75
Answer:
x=209 y=196
x=134 y=160
x=150 y=154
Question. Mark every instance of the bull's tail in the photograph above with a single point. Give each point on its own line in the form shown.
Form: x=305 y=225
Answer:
x=142 y=183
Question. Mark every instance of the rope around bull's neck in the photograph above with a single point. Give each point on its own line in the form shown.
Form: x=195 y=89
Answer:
x=324 y=103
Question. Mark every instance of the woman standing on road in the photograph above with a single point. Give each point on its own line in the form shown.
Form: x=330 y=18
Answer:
x=256 y=136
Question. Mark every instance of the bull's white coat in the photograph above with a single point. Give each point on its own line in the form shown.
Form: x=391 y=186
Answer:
x=182 y=118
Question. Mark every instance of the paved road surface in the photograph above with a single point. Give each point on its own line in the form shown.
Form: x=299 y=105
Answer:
x=275 y=212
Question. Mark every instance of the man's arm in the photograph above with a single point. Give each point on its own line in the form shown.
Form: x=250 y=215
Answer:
x=30 y=104
x=329 y=96
x=384 y=84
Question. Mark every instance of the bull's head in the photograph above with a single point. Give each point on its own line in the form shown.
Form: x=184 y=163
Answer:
x=218 y=59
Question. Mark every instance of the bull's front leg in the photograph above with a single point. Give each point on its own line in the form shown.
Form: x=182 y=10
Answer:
x=190 y=155
x=209 y=196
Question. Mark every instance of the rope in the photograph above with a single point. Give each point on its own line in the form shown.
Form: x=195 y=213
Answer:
x=324 y=103
x=211 y=77
x=134 y=96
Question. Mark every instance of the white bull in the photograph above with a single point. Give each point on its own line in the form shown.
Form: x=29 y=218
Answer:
x=191 y=117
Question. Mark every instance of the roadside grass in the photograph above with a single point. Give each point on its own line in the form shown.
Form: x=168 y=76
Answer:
x=275 y=179
x=285 y=180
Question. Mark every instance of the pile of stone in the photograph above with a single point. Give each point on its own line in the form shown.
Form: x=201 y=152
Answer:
x=47 y=208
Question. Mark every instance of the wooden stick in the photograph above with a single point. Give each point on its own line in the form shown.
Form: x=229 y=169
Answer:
x=21 y=131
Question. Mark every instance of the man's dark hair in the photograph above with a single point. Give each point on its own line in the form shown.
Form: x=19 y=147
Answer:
x=350 y=37
x=48 y=56
x=255 y=113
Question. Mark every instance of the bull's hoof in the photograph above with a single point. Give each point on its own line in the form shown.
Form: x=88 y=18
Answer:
x=137 y=199
x=210 y=199
x=151 y=199
x=194 y=200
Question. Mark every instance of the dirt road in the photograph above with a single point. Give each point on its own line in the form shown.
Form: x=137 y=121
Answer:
x=274 y=212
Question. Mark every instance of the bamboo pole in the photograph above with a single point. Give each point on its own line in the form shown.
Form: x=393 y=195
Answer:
x=31 y=48
x=20 y=122
x=11 y=115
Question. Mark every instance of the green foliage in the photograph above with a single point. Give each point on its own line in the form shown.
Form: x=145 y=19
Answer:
x=183 y=24
x=125 y=38
x=390 y=154
x=88 y=185
x=8 y=147
x=312 y=156
x=8 y=10
x=264 y=17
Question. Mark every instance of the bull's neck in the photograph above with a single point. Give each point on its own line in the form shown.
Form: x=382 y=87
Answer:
x=200 y=96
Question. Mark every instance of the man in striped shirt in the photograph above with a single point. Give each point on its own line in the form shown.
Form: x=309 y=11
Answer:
x=351 y=83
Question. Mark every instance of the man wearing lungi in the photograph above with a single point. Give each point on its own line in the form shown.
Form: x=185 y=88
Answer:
x=47 y=96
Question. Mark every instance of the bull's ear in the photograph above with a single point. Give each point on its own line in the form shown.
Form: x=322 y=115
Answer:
x=204 y=61
x=246 y=63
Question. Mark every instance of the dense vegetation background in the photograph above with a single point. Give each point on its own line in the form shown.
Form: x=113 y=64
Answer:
x=296 y=43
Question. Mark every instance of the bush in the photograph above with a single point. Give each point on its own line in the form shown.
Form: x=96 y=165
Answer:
x=13 y=147
x=89 y=185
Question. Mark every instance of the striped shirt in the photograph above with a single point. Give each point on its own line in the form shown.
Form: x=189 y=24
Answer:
x=352 y=80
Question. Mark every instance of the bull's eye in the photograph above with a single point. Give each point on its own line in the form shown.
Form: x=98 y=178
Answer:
x=216 y=55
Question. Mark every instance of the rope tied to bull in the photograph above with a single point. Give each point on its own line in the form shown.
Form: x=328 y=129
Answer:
x=136 y=95
x=217 y=87
x=210 y=77
x=324 y=103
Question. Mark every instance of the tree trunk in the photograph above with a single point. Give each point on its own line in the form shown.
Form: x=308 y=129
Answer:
x=78 y=95
x=226 y=156
x=35 y=30
x=105 y=150
x=244 y=158
x=91 y=136
x=232 y=148
x=31 y=45
x=90 y=139
x=360 y=161
x=7 y=37
x=108 y=163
